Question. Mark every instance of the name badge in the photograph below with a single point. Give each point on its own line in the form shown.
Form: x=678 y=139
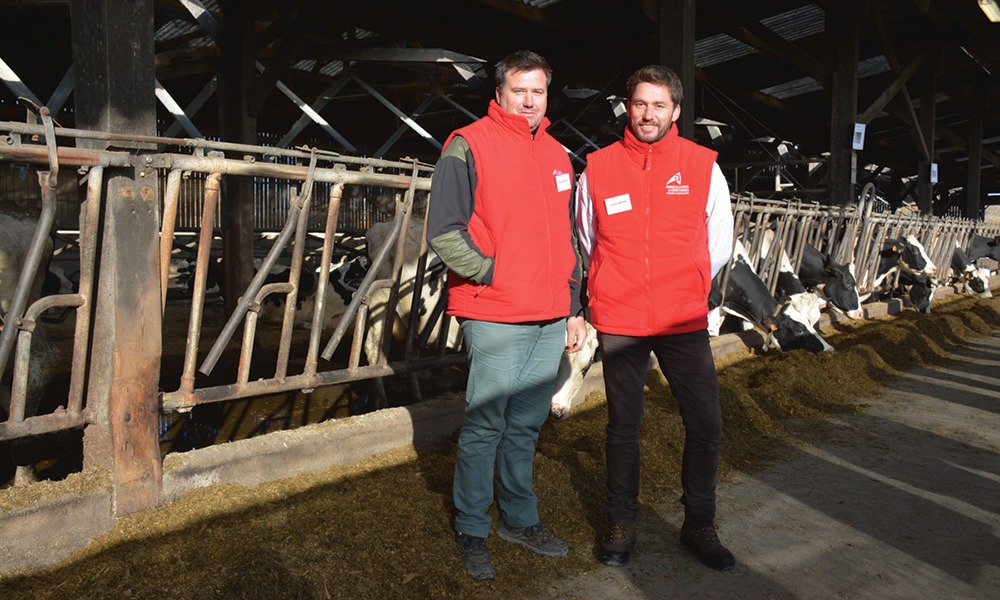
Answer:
x=562 y=182
x=617 y=204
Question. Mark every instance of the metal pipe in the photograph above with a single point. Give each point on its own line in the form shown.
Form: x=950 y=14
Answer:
x=90 y=214
x=201 y=144
x=212 y=188
x=329 y=240
x=30 y=269
x=181 y=401
x=255 y=284
x=170 y=202
x=363 y=288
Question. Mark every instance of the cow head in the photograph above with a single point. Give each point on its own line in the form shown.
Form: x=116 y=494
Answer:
x=841 y=289
x=808 y=305
x=921 y=292
x=979 y=283
x=913 y=258
x=788 y=332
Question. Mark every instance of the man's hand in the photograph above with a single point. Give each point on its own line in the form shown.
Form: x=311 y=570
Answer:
x=576 y=334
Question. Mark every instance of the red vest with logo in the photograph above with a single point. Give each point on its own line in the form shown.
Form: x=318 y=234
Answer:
x=521 y=219
x=650 y=270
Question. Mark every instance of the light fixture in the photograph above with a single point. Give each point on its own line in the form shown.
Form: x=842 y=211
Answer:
x=991 y=10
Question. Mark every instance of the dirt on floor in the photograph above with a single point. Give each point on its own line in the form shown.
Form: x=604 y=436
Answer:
x=868 y=472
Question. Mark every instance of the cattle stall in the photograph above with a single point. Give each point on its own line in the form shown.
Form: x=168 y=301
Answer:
x=853 y=235
x=170 y=165
x=175 y=173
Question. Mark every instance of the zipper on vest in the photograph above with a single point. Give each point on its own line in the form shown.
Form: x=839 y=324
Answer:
x=545 y=210
x=647 y=196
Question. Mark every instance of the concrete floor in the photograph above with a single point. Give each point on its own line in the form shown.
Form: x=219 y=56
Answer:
x=901 y=501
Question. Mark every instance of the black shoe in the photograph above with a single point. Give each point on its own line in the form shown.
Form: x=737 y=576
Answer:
x=617 y=549
x=704 y=543
x=535 y=538
x=475 y=556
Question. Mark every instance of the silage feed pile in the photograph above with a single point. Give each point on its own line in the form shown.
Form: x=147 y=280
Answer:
x=381 y=528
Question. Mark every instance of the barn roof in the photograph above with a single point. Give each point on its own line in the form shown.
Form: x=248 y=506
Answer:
x=763 y=73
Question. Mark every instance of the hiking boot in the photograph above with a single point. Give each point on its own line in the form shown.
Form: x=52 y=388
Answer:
x=535 y=538
x=617 y=549
x=704 y=543
x=475 y=556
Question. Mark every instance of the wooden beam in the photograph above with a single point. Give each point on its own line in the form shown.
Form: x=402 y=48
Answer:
x=677 y=52
x=970 y=206
x=846 y=32
x=281 y=59
x=237 y=125
x=890 y=55
x=895 y=87
x=113 y=64
x=928 y=118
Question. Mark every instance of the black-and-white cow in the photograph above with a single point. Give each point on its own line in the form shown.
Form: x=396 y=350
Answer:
x=984 y=247
x=975 y=280
x=790 y=289
x=569 y=379
x=748 y=298
x=17 y=227
x=572 y=368
x=904 y=254
x=431 y=308
x=180 y=277
x=16 y=231
x=919 y=289
x=835 y=281
x=342 y=281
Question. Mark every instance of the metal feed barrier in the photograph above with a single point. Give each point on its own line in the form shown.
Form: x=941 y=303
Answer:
x=851 y=234
x=46 y=147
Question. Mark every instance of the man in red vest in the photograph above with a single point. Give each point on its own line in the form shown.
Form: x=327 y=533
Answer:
x=655 y=223
x=500 y=219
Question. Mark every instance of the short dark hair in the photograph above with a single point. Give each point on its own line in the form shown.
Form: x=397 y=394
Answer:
x=657 y=75
x=522 y=60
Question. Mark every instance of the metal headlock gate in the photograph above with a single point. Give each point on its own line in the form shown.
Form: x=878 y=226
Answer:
x=851 y=234
x=405 y=178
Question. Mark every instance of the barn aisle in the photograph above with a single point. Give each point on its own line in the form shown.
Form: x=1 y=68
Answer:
x=871 y=472
x=901 y=501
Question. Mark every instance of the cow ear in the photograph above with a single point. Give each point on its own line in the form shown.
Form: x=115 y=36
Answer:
x=772 y=325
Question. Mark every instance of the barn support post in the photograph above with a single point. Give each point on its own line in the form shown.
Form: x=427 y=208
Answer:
x=928 y=112
x=236 y=77
x=113 y=61
x=677 y=52
x=845 y=19
x=970 y=206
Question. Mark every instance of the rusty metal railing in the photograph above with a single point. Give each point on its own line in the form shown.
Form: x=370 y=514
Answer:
x=301 y=169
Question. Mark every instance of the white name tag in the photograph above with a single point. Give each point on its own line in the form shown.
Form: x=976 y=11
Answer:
x=562 y=182
x=617 y=204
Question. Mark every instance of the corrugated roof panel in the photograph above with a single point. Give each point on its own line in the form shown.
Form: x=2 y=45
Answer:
x=333 y=68
x=792 y=25
x=797 y=24
x=540 y=3
x=797 y=87
x=793 y=88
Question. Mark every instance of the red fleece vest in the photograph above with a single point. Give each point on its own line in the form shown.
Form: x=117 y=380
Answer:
x=521 y=219
x=650 y=270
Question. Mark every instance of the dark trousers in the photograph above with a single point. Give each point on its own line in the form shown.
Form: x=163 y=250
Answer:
x=686 y=361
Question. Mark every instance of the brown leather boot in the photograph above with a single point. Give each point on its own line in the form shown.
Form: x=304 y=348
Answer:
x=617 y=548
x=704 y=542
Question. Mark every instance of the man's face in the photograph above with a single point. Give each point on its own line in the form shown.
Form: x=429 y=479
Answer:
x=651 y=112
x=525 y=93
